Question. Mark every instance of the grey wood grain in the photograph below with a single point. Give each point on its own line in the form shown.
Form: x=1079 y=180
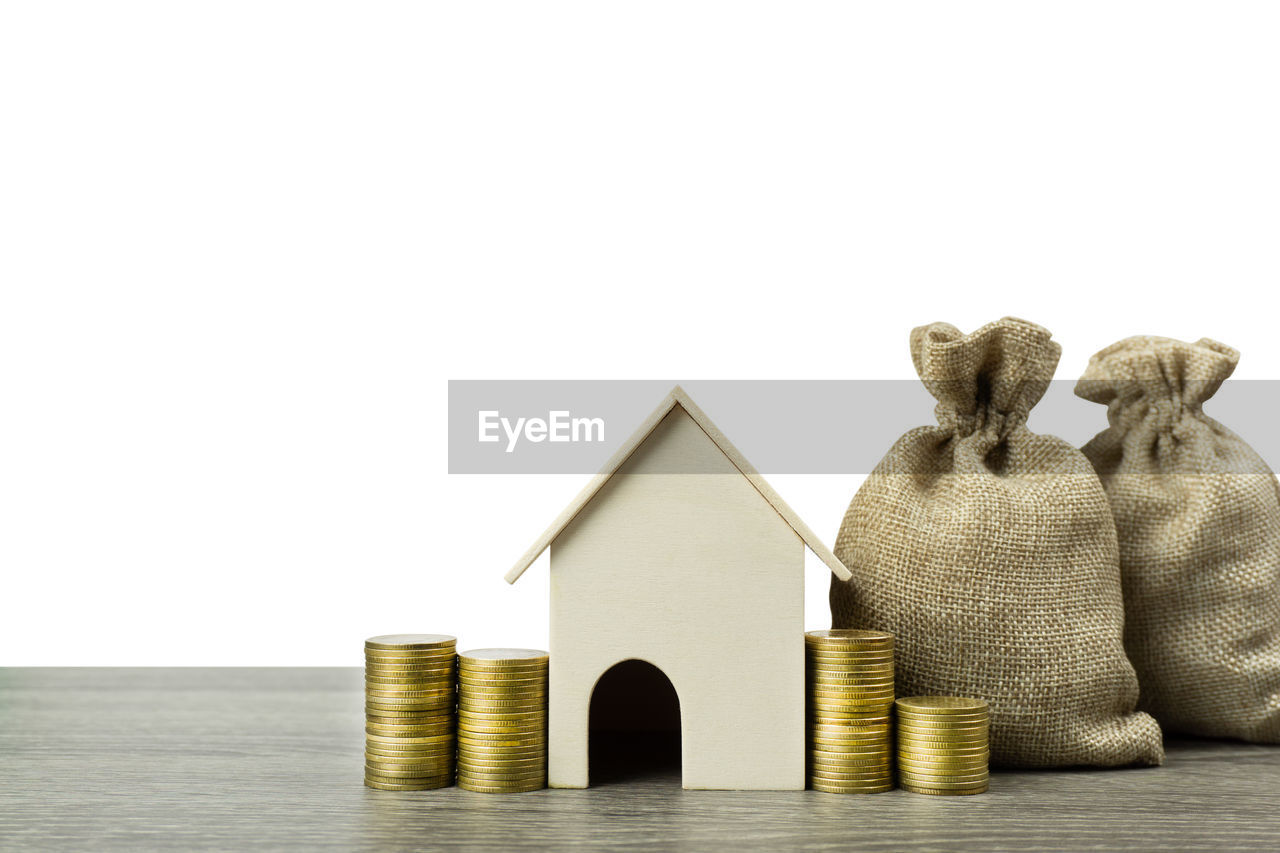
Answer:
x=237 y=759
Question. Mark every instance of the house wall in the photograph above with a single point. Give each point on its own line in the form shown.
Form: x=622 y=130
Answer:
x=697 y=574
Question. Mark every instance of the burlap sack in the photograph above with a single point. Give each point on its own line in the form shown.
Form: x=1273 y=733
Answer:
x=1198 y=515
x=989 y=551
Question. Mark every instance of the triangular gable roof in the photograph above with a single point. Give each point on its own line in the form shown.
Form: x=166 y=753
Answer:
x=678 y=397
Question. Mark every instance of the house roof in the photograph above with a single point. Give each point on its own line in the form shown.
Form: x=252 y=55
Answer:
x=678 y=397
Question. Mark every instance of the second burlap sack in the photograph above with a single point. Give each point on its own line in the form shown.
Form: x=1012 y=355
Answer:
x=1198 y=515
x=990 y=553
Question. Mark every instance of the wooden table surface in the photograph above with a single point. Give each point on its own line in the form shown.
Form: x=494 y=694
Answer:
x=237 y=759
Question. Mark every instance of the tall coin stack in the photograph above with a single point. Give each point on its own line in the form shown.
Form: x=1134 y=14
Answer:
x=943 y=744
x=850 y=692
x=410 y=701
x=502 y=720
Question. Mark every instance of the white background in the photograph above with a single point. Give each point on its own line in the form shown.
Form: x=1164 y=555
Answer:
x=243 y=245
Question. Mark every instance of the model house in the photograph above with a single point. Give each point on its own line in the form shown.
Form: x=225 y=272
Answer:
x=679 y=553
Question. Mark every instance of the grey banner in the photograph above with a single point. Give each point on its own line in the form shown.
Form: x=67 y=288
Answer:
x=781 y=426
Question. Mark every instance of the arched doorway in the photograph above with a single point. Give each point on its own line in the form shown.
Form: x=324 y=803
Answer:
x=634 y=726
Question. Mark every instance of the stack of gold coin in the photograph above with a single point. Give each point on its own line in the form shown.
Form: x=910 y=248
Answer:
x=502 y=720
x=410 y=711
x=943 y=744
x=850 y=695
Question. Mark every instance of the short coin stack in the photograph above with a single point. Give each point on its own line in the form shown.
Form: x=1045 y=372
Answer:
x=502 y=720
x=943 y=745
x=410 y=702
x=850 y=695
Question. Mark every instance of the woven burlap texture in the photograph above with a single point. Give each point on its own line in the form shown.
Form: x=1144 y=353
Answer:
x=990 y=553
x=1198 y=515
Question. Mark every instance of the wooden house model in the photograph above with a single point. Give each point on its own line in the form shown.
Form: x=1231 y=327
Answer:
x=679 y=553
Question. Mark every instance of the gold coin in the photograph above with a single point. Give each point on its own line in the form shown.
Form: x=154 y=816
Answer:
x=439 y=717
x=497 y=656
x=502 y=676
x=850 y=635
x=823 y=753
x=501 y=774
x=918 y=782
x=384 y=686
x=425 y=767
x=848 y=726
x=395 y=778
x=879 y=696
x=425 y=651
x=403 y=713
x=501 y=700
x=396 y=642
x=502 y=715
x=851 y=701
x=849 y=788
x=857 y=774
x=403 y=745
x=475 y=787
x=835 y=742
x=872 y=661
x=406 y=756
x=405 y=783
x=400 y=715
x=533 y=689
x=912 y=750
x=848 y=718
x=969 y=741
x=523 y=758
x=871 y=775
x=518 y=721
x=441 y=697
x=437 y=677
x=439 y=730
x=490 y=675
x=393 y=756
x=419 y=694
x=443 y=782
x=823 y=736
x=943 y=766
x=409 y=697
x=392 y=740
x=925 y=779
x=942 y=705
x=514 y=746
x=498 y=702
x=497 y=775
x=437 y=741
x=849 y=681
x=525 y=709
x=943 y=732
x=515 y=739
x=396 y=664
x=411 y=703
x=867 y=675
x=392 y=769
x=952 y=721
x=511 y=729
x=846 y=748
x=837 y=760
x=849 y=710
x=920 y=789
x=975 y=759
x=929 y=727
x=411 y=663
x=534 y=683
x=518 y=761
